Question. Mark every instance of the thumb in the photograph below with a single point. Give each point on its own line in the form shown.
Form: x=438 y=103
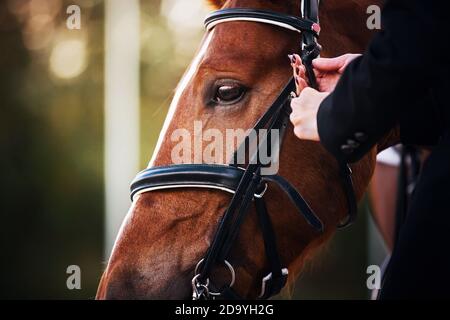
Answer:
x=328 y=64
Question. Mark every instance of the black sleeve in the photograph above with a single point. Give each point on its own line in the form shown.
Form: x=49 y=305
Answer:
x=389 y=85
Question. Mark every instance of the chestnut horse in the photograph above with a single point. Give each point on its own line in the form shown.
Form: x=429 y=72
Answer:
x=166 y=233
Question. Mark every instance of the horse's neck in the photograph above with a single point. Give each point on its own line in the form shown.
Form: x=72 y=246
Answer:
x=338 y=19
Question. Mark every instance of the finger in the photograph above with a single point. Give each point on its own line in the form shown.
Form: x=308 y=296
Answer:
x=299 y=71
x=299 y=133
x=297 y=65
x=294 y=59
x=297 y=60
x=294 y=68
x=328 y=64
x=295 y=116
x=349 y=58
x=318 y=73
x=300 y=84
x=296 y=106
x=306 y=133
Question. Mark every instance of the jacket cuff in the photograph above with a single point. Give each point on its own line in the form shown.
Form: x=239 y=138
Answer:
x=346 y=145
x=323 y=125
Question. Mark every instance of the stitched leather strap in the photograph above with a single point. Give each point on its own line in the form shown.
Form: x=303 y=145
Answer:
x=298 y=24
x=187 y=175
x=211 y=176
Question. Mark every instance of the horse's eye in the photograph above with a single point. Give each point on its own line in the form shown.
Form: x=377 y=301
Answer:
x=229 y=93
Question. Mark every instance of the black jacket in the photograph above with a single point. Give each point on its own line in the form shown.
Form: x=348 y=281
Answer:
x=401 y=79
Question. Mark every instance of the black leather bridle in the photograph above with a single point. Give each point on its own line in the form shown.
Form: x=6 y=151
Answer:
x=248 y=185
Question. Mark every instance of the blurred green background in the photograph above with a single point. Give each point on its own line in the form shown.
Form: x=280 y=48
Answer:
x=52 y=145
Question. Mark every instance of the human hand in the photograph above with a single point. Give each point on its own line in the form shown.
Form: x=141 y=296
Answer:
x=327 y=70
x=304 y=111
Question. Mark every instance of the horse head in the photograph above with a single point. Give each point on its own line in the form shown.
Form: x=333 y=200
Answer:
x=238 y=71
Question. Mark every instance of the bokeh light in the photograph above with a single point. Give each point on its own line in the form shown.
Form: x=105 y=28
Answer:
x=68 y=58
x=185 y=20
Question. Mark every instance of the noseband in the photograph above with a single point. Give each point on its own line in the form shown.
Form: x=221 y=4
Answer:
x=249 y=185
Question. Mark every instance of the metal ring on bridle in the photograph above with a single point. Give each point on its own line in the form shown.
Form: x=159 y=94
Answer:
x=230 y=268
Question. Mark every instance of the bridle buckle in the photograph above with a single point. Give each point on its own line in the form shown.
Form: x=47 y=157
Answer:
x=284 y=273
x=200 y=291
x=262 y=193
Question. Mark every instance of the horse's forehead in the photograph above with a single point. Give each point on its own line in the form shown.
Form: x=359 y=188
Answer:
x=249 y=39
x=239 y=35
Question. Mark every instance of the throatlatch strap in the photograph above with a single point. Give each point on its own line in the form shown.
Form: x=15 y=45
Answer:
x=349 y=191
x=278 y=279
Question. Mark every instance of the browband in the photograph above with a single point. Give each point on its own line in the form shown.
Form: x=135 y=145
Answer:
x=263 y=16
